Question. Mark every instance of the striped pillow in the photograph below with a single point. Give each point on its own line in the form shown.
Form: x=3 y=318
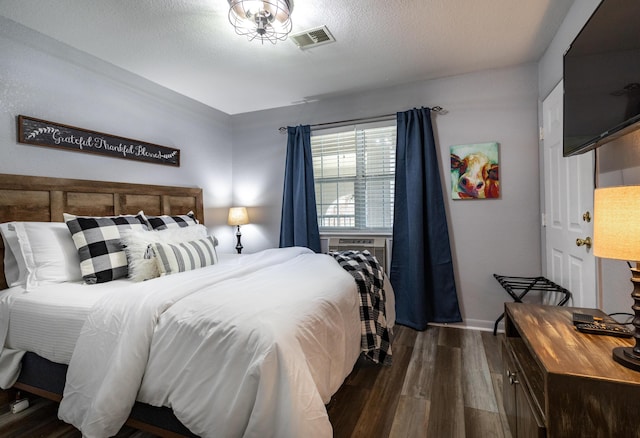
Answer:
x=185 y=256
x=142 y=263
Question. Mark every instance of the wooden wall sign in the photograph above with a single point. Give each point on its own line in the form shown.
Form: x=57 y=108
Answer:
x=43 y=133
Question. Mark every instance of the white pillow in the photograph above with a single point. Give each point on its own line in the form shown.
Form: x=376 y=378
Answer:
x=49 y=253
x=15 y=270
x=142 y=265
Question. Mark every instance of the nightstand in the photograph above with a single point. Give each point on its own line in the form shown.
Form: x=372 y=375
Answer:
x=559 y=382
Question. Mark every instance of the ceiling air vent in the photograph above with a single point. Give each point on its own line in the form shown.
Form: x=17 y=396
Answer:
x=312 y=37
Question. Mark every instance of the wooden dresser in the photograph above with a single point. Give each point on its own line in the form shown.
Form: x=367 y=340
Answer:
x=559 y=382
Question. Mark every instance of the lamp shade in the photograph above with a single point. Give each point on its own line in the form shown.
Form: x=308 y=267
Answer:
x=238 y=216
x=616 y=223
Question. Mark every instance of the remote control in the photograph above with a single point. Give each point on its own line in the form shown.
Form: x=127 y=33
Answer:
x=582 y=318
x=596 y=328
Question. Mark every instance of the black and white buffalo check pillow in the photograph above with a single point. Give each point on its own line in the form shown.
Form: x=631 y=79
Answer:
x=164 y=222
x=102 y=255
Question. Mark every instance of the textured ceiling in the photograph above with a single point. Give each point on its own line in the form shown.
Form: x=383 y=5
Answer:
x=190 y=47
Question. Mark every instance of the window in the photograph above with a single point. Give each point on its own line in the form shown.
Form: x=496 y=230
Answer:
x=354 y=171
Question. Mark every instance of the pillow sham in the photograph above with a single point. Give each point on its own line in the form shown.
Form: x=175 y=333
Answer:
x=48 y=252
x=185 y=256
x=142 y=264
x=165 y=221
x=97 y=239
x=15 y=271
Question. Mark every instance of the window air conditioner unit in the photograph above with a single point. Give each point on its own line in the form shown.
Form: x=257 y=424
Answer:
x=377 y=246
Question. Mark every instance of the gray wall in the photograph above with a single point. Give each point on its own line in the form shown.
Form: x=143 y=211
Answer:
x=42 y=78
x=487 y=236
x=618 y=162
x=550 y=65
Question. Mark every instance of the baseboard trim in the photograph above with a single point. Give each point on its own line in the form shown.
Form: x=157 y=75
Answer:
x=472 y=324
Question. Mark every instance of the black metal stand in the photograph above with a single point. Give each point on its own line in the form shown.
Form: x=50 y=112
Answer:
x=239 y=245
x=630 y=356
x=518 y=287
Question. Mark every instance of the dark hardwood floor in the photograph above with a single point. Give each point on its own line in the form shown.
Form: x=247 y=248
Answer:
x=444 y=382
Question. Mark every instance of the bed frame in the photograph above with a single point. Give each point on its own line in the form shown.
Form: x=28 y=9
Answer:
x=44 y=199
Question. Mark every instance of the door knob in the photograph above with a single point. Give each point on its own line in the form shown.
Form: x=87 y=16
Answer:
x=586 y=217
x=584 y=242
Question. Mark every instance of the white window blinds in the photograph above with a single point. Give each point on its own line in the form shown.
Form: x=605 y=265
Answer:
x=354 y=171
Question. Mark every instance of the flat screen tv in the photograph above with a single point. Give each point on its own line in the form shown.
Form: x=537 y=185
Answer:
x=602 y=78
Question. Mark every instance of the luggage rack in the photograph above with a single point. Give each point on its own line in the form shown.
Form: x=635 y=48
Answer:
x=518 y=287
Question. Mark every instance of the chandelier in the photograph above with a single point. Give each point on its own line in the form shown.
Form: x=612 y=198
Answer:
x=263 y=20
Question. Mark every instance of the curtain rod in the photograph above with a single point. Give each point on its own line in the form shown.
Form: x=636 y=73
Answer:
x=435 y=109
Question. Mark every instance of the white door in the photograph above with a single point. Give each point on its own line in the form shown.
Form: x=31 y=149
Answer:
x=568 y=210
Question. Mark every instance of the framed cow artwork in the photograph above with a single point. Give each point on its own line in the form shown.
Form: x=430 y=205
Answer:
x=475 y=171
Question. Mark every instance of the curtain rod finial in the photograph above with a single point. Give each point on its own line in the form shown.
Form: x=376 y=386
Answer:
x=438 y=109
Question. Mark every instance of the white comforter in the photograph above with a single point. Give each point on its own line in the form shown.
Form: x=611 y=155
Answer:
x=253 y=348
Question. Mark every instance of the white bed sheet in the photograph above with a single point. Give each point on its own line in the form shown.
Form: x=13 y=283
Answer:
x=48 y=321
x=256 y=348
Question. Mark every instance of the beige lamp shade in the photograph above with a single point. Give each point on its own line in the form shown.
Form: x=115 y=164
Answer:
x=238 y=216
x=616 y=223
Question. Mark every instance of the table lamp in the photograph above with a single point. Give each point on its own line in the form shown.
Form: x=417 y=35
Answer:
x=616 y=235
x=238 y=216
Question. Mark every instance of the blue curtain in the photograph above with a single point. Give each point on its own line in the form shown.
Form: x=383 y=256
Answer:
x=299 y=223
x=421 y=265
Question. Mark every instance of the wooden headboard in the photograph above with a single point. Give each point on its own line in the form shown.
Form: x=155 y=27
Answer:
x=44 y=199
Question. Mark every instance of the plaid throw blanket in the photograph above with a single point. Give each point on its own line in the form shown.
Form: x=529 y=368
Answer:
x=369 y=276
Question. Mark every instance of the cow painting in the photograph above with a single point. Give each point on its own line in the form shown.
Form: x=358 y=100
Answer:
x=475 y=172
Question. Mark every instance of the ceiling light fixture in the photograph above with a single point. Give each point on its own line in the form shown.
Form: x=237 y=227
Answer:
x=268 y=20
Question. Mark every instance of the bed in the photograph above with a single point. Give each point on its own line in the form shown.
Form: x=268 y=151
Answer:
x=251 y=345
